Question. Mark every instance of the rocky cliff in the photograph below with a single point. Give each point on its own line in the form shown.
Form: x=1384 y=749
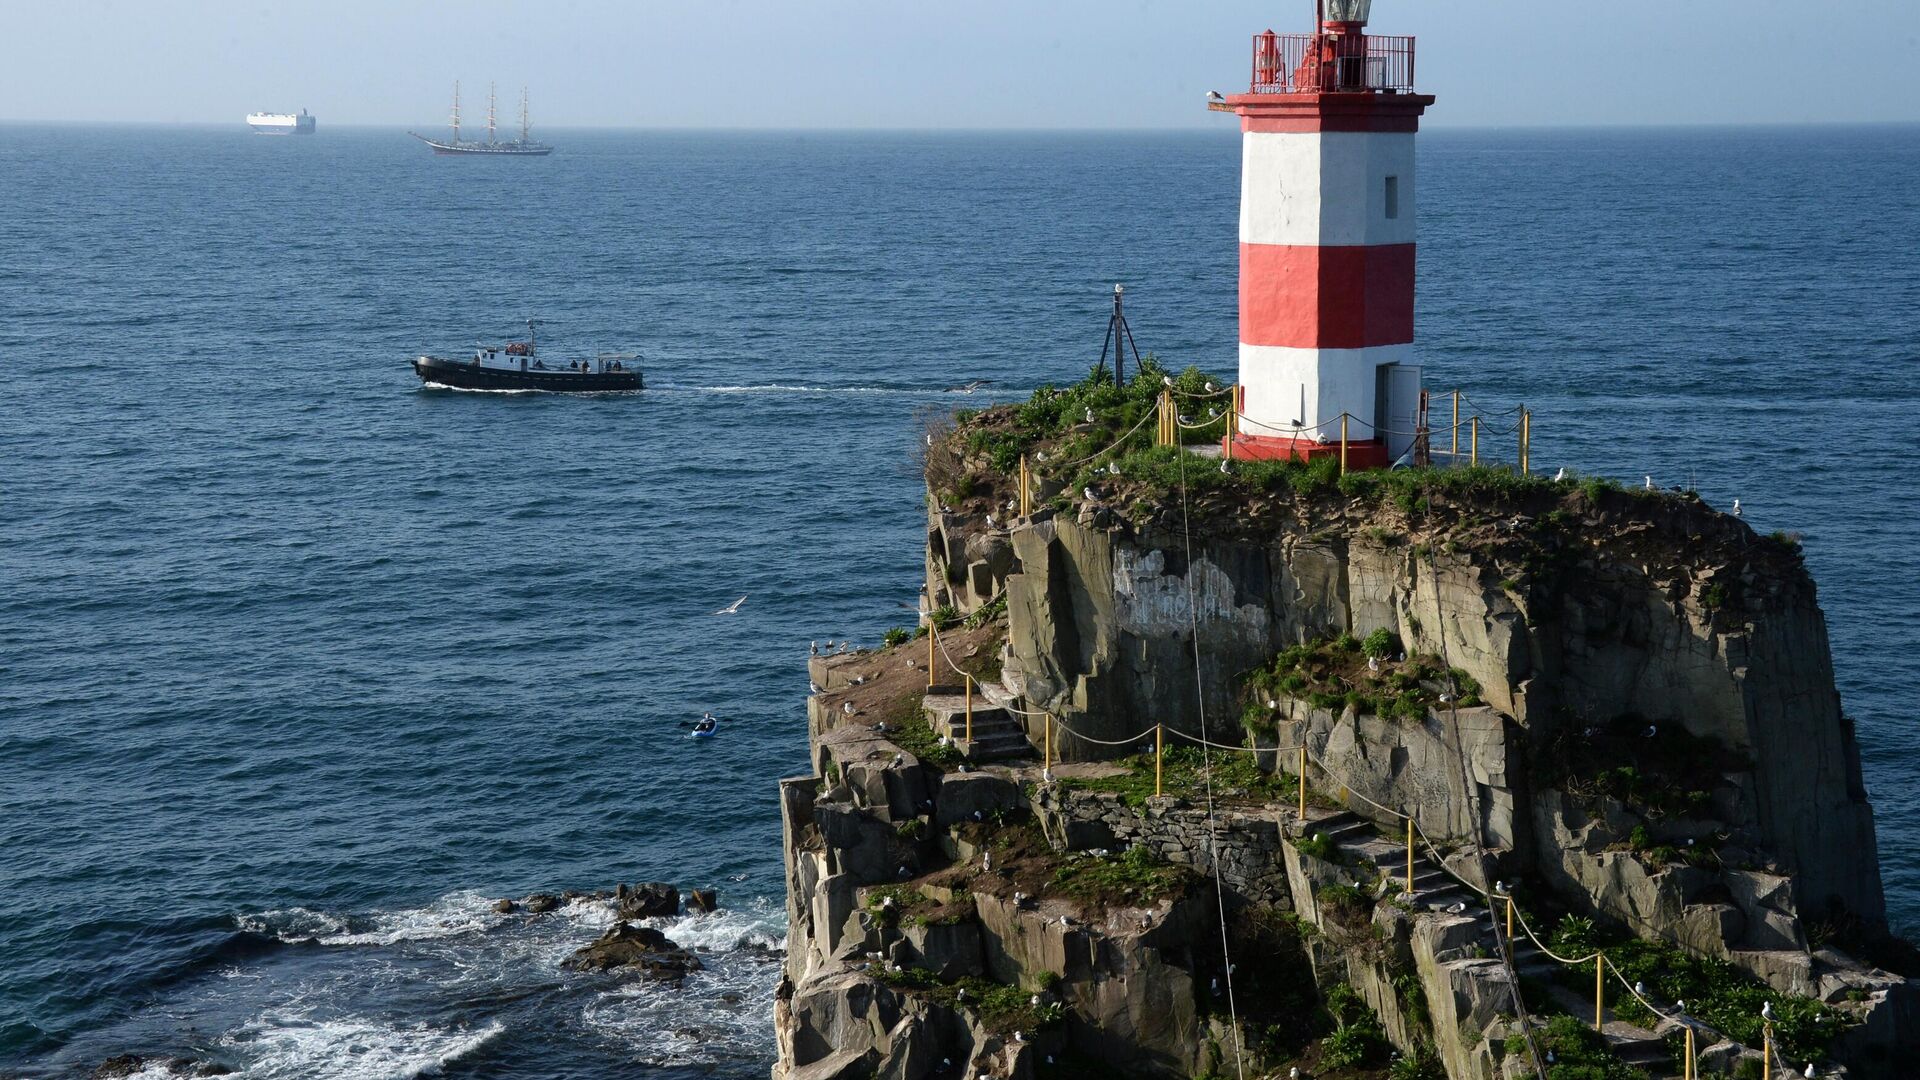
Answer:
x=1616 y=704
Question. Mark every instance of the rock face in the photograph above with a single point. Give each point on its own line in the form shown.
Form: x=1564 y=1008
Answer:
x=637 y=948
x=1640 y=719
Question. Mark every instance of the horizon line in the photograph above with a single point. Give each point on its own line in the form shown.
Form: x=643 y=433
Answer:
x=854 y=129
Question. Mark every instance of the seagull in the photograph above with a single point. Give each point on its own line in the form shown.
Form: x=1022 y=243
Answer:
x=899 y=760
x=733 y=608
x=1373 y=664
x=1089 y=414
x=1293 y=1073
x=978 y=816
x=1550 y=1058
x=1209 y=388
x=1212 y=96
x=847 y=707
x=1166 y=380
x=1766 y=1010
x=1680 y=1006
x=1736 y=508
x=1034 y=1000
x=1649 y=483
x=1652 y=730
x=905 y=873
x=929 y=440
x=946 y=740
x=990 y=521
x=1215 y=987
x=1500 y=887
x=1223 y=466
x=1640 y=989
x=1019 y=1036
x=1809 y=1073
x=886 y=902
x=1113 y=468
x=1456 y=908
x=1561 y=476
x=813 y=648
x=986 y=861
x=1185 y=420
x=812 y=687
x=1086 y=493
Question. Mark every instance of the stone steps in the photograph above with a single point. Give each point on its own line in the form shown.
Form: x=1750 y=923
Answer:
x=997 y=736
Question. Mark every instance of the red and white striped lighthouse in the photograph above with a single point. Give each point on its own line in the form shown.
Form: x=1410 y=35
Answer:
x=1327 y=242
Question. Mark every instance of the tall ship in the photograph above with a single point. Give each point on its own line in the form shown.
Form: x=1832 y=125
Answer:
x=524 y=145
x=518 y=365
x=269 y=123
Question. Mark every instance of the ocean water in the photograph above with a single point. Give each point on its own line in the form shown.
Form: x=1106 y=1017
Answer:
x=301 y=665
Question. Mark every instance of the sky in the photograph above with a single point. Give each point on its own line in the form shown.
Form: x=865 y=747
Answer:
x=916 y=64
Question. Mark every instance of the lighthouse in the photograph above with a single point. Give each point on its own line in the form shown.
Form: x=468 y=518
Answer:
x=1327 y=217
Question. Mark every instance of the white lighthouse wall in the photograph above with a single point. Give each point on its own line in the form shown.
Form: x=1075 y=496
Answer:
x=1326 y=189
x=1332 y=381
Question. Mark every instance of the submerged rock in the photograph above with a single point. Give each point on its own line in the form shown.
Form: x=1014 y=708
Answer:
x=505 y=907
x=639 y=948
x=540 y=903
x=703 y=900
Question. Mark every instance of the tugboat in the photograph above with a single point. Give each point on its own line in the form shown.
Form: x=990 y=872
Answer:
x=518 y=366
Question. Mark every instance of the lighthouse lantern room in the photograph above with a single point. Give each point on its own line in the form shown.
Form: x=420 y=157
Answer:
x=1327 y=243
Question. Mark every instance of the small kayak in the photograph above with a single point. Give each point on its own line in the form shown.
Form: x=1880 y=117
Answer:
x=703 y=733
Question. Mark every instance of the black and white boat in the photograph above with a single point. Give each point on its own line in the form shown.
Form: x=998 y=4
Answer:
x=518 y=365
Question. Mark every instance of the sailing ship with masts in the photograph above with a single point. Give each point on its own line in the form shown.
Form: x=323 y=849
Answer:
x=524 y=145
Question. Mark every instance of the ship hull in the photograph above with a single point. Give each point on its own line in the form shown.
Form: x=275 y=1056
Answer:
x=437 y=371
x=488 y=150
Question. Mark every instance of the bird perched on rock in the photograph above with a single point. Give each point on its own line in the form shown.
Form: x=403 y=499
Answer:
x=1034 y=1000
x=991 y=523
x=847 y=707
x=1680 y=1006
x=1550 y=1058
x=1809 y=1073
x=986 y=861
x=899 y=760
x=1456 y=908
x=1086 y=493
x=905 y=873
x=1560 y=476
x=1019 y=1036
x=1223 y=467
x=1294 y=1073
x=1373 y=663
x=1089 y=414
x=813 y=648
x=1500 y=887
x=1649 y=483
x=1736 y=508
x=812 y=687
x=978 y=816
x=1652 y=730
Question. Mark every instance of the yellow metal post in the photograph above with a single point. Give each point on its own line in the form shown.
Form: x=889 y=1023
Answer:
x=1024 y=509
x=1526 y=439
x=969 y=685
x=1455 y=452
x=1409 y=858
x=1599 y=988
x=933 y=633
x=1303 y=783
x=1343 y=444
x=1473 y=426
x=1687 y=1072
x=1046 y=756
x=1159 y=754
x=1766 y=1052
x=1509 y=919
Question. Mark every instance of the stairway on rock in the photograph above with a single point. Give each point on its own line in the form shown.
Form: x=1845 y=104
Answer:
x=1434 y=889
x=996 y=735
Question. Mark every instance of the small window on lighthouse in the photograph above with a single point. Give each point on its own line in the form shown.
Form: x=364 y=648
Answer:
x=1393 y=197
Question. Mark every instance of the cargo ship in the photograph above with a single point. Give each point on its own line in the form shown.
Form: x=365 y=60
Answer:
x=267 y=123
x=524 y=146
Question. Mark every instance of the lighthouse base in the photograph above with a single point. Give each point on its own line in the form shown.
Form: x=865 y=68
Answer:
x=1361 y=453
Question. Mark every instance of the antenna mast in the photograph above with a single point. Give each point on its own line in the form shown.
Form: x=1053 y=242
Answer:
x=490 y=138
x=456 y=110
x=1120 y=336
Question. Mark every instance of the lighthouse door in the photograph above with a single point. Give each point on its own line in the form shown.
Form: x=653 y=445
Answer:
x=1396 y=407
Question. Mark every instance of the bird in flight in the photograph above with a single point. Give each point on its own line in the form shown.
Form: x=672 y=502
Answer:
x=733 y=608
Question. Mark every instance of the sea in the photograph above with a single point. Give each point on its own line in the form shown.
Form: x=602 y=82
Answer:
x=303 y=665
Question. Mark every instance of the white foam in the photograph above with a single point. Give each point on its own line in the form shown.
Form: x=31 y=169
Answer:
x=291 y=1045
x=453 y=915
x=292 y=924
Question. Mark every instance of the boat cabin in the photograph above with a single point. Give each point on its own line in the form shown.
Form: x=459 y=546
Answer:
x=520 y=356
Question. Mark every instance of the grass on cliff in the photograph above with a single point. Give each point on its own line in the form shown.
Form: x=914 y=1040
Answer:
x=1001 y=1009
x=1715 y=991
x=1658 y=775
x=1372 y=677
x=1135 y=876
x=1184 y=775
x=1579 y=1052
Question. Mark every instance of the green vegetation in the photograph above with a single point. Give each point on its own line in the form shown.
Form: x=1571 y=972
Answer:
x=1357 y=1038
x=1343 y=672
x=909 y=730
x=946 y=616
x=1580 y=1053
x=1319 y=846
x=1422 y=1064
x=897 y=635
x=1715 y=991
x=1136 y=875
x=1057 y=416
x=1658 y=775
x=1001 y=1009
x=987 y=612
x=1344 y=904
x=1184 y=774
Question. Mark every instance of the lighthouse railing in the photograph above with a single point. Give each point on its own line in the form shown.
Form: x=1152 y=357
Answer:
x=1331 y=63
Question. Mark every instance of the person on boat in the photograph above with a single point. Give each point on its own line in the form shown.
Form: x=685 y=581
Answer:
x=706 y=725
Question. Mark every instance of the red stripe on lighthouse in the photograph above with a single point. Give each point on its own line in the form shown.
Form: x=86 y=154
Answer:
x=1309 y=297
